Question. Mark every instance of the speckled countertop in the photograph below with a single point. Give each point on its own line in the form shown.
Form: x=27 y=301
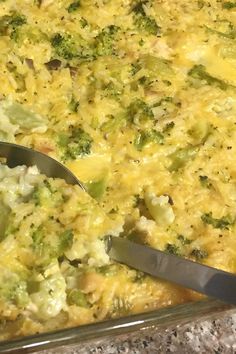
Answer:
x=216 y=334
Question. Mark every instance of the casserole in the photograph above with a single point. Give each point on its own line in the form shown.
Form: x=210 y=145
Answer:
x=138 y=100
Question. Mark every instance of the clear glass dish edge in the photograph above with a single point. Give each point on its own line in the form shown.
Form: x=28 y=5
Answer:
x=160 y=318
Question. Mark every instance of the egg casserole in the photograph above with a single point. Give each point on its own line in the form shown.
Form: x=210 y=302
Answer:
x=138 y=99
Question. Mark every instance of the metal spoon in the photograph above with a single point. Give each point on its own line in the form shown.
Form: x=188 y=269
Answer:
x=206 y=280
x=19 y=155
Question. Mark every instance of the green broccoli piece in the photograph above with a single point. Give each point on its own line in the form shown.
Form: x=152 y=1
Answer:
x=143 y=22
x=74 y=105
x=114 y=123
x=120 y=306
x=17 y=20
x=172 y=249
x=68 y=48
x=14 y=290
x=65 y=241
x=10 y=23
x=73 y=6
x=75 y=145
x=112 y=91
x=223 y=28
x=41 y=194
x=228 y=5
x=199 y=254
x=222 y=223
x=181 y=156
x=139 y=111
x=96 y=189
x=144 y=138
x=184 y=240
x=64 y=46
x=4 y=220
x=199 y=72
x=147 y=24
x=55 y=247
x=38 y=240
x=76 y=297
x=104 y=41
x=83 y=22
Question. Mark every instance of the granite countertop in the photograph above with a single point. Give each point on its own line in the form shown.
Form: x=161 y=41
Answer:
x=216 y=334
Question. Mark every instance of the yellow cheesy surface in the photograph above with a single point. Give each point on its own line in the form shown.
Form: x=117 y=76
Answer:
x=138 y=99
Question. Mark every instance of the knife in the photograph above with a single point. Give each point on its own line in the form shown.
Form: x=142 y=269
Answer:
x=201 y=278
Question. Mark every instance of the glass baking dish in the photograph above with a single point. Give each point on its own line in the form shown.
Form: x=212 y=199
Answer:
x=161 y=318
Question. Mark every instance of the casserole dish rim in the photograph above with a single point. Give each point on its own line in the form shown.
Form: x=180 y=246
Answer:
x=160 y=318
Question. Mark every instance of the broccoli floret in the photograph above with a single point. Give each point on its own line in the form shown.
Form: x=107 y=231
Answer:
x=67 y=47
x=183 y=240
x=138 y=111
x=147 y=24
x=105 y=40
x=120 y=306
x=146 y=137
x=112 y=91
x=135 y=67
x=4 y=220
x=51 y=248
x=97 y=188
x=17 y=20
x=76 y=297
x=75 y=145
x=65 y=241
x=14 y=290
x=199 y=72
x=74 y=105
x=138 y=8
x=144 y=22
x=38 y=240
x=41 y=195
x=228 y=5
x=73 y=6
x=64 y=46
x=172 y=249
x=10 y=23
x=114 y=123
x=199 y=254
x=222 y=223
x=83 y=22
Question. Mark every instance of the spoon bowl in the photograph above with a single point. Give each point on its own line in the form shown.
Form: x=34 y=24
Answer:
x=17 y=155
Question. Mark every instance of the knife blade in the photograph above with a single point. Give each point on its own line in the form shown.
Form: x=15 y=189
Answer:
x=201 y=278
